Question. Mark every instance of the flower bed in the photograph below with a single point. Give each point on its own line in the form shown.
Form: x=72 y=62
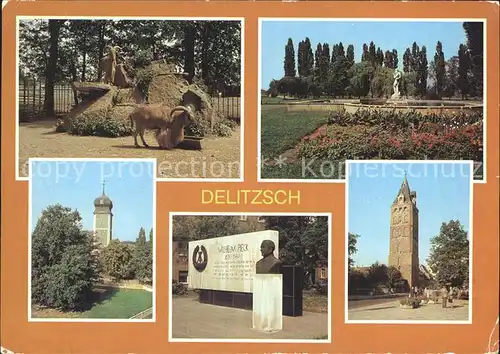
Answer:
x=392 y=136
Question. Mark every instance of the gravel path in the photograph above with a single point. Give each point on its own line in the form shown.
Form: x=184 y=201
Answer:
x=220 y=157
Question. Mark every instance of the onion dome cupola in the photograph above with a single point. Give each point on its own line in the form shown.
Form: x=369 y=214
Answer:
x=103 y=200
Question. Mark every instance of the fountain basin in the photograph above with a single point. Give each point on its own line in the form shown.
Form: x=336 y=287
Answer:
x=422 y=107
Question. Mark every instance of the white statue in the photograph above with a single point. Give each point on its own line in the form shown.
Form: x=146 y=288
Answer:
x=395 y=86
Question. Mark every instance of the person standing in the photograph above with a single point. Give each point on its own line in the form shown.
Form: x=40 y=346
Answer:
x=444 y=296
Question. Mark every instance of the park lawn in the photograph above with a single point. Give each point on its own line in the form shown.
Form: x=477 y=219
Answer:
x=125 y=303
x=116 y=303
x=281 y=130
x=314 y=302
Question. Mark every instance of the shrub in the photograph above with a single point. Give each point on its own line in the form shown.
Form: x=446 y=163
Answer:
x=223 y=128
x=117 y=260
x=143 y=78
x=100 y=126
x=412 y=302
x=321 y=287
x=379 y=290
x=178 y=288
x=199 y=127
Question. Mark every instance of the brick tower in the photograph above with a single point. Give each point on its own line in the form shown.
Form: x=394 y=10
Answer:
x=403 y=252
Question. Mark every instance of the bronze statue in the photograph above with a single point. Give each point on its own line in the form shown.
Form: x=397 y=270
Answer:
x=268 y=264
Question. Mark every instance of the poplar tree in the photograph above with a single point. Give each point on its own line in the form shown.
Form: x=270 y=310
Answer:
x=407 y=61
x=350 y=55
x=289 y=62
x=463 y=71
x=475 y=38
x=440 y=69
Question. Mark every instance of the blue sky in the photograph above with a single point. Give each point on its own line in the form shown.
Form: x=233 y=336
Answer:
x=129 y=185
x=386 y=35
x=443 y=194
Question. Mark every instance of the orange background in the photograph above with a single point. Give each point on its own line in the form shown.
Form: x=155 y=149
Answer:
x=20 y=336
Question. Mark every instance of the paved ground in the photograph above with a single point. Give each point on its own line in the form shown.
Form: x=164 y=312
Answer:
x=191 y=319
x=219 y=158
x=385 y=309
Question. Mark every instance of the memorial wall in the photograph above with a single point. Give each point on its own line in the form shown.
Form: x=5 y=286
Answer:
x=227 y=263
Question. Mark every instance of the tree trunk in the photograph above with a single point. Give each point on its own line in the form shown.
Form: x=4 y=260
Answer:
x=74 y=77
x=54 y=29
x=84 y=65
x=189 y=44
x=84 y=60
x=102 y=45
x=205 y=56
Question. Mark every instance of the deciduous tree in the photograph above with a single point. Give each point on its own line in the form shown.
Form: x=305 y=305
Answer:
x=64 y=265
x=351 y=248
x=449 y=254
x=303 y=240
x=117 y=260
x=189 y=228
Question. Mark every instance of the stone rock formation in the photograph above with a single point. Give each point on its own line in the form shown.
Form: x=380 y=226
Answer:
x=166 y=86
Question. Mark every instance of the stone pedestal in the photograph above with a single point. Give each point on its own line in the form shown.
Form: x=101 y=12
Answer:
x=395 y=96
x=268 y=302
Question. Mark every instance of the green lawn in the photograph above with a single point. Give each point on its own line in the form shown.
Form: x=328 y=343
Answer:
x=113 y=303
x=281 y=131
x=124 y=303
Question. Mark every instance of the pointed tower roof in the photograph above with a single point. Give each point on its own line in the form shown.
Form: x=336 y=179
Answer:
x=103 y=200
x=404 y=190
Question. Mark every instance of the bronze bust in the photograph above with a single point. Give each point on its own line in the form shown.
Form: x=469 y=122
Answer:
x=268 y=264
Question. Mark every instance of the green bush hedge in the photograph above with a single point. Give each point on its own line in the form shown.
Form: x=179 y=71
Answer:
x=98 y=126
